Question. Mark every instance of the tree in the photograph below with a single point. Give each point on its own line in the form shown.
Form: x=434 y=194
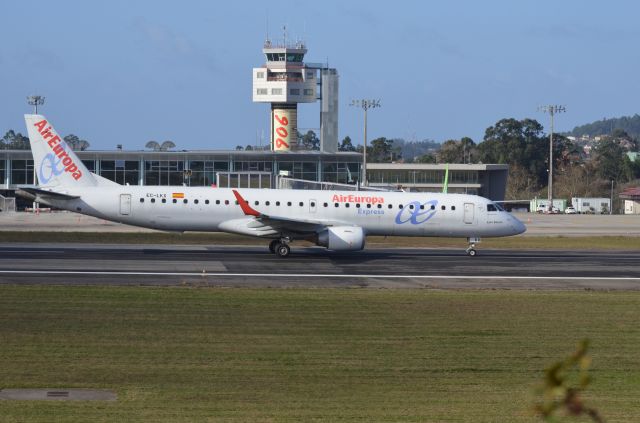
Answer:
x=426 y=158
x=14 y=141
x=609 y=159
x=239 y=147
x=346 y=145
x=76 y=143
x=380 y=150
x=310 y=141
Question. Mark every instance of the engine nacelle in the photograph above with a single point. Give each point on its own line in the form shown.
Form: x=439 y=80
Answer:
x=342 y=238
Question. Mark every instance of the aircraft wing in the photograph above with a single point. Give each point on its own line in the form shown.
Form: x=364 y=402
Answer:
x=260 y=224
x=42 y=195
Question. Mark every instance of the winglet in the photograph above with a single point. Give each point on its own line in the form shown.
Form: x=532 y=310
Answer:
x=246 y=208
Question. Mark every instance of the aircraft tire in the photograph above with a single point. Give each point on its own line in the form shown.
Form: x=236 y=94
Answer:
x=283 y=250
x=472 y=253
x=272 y=246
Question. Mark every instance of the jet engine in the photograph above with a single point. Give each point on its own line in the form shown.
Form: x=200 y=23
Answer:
x=342 y=238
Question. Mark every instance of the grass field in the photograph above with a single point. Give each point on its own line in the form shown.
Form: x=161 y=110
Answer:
x=324 y=355
x=517 y=242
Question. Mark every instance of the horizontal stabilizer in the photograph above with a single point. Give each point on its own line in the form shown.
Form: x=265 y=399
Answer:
x=43 y=194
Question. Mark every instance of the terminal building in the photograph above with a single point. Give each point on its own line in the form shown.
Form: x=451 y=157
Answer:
x=284 y=81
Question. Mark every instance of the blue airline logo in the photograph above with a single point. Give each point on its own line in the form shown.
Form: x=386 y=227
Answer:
x=418 y=214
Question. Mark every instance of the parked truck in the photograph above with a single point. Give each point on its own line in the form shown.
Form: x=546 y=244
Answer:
x=591 y=205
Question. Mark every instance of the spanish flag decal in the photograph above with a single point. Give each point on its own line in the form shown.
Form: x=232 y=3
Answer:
x=178 y=195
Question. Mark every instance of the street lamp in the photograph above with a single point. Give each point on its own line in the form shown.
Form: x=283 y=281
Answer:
x=552 y=109
x=365 y=105
x=35 y=101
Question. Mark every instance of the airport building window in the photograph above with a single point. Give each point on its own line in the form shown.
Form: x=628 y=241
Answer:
x=300 y=170
x=276 y=91
x=294 y=91
x=2 y=167
x=308 y=91
x=121 y=171
x=203 y=172
x=262 y=91
x=260 y=75
x=343 y=173
x=90 y=165
x=21 y=172
x=164 y=172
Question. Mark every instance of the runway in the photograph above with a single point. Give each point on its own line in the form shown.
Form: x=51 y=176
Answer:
x=244 y=266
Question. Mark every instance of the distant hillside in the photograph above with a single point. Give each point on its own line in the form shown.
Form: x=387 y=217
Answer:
x=629 y=124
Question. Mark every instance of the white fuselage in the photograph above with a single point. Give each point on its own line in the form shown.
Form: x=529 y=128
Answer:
x=378 y=213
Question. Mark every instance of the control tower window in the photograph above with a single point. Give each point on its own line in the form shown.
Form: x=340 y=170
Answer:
x=276 y=91
x=260 y=75
x=294 y=91
x=262 y=91
x=308 y=91
x=293 y=57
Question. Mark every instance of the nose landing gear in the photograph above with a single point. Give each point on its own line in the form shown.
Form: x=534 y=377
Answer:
x=471 y=250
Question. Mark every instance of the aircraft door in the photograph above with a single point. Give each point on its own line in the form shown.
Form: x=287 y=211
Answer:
x=468 y=213
x=313 y=205
x=125 y=204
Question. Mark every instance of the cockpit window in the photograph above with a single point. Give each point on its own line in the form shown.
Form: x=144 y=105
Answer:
x=492 y=207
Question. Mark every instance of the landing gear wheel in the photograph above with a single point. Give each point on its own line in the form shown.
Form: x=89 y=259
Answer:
x=471 y=252
x=282 y=250
x=272 y=246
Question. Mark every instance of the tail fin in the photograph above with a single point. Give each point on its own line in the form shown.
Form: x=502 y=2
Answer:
x=55 y=162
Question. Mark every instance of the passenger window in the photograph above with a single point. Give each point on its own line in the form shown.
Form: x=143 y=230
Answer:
x=175 y=201
x=237 y=202
x=153 y=200
x=453 y=207
x=289 y=203
x=346 y=205
x=399 y=206
x=196 y=201
x=390 y=206
x=379 y=206
x=433 y=207
x=301 y=204
x=368 y=206
x=443 y=207
x=326 y=204
x=312 y=204
x=257 y=203
x=217 y=201
x=142 y=200
x=206 y=201
x=357 y=205
x=411 y=207
x=421 y=206
x=266 y=203
x=277 y=203
x=185 y=201
x=226 y=202
x=164 y=200
x=337 y=205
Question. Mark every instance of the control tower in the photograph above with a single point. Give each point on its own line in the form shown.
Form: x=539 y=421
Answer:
x=284 y=81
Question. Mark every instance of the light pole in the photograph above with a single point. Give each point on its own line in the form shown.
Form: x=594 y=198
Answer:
x=365 y=105
x=35 y=101
x=611 y=201
x=552 y=109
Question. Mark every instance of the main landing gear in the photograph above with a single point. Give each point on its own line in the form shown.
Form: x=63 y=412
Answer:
x=471 y=250
x=280 y=247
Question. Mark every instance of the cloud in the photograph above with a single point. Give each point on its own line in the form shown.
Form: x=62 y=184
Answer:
x=173 y=47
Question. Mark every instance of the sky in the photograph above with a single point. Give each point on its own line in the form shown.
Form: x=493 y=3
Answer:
x=126 y=72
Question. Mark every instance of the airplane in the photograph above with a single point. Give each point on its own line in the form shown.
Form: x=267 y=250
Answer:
x=336 y=220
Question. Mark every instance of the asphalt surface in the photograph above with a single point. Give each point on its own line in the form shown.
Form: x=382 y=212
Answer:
x=243 y=266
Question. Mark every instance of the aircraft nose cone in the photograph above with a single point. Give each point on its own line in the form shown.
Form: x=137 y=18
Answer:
x=518 y=226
